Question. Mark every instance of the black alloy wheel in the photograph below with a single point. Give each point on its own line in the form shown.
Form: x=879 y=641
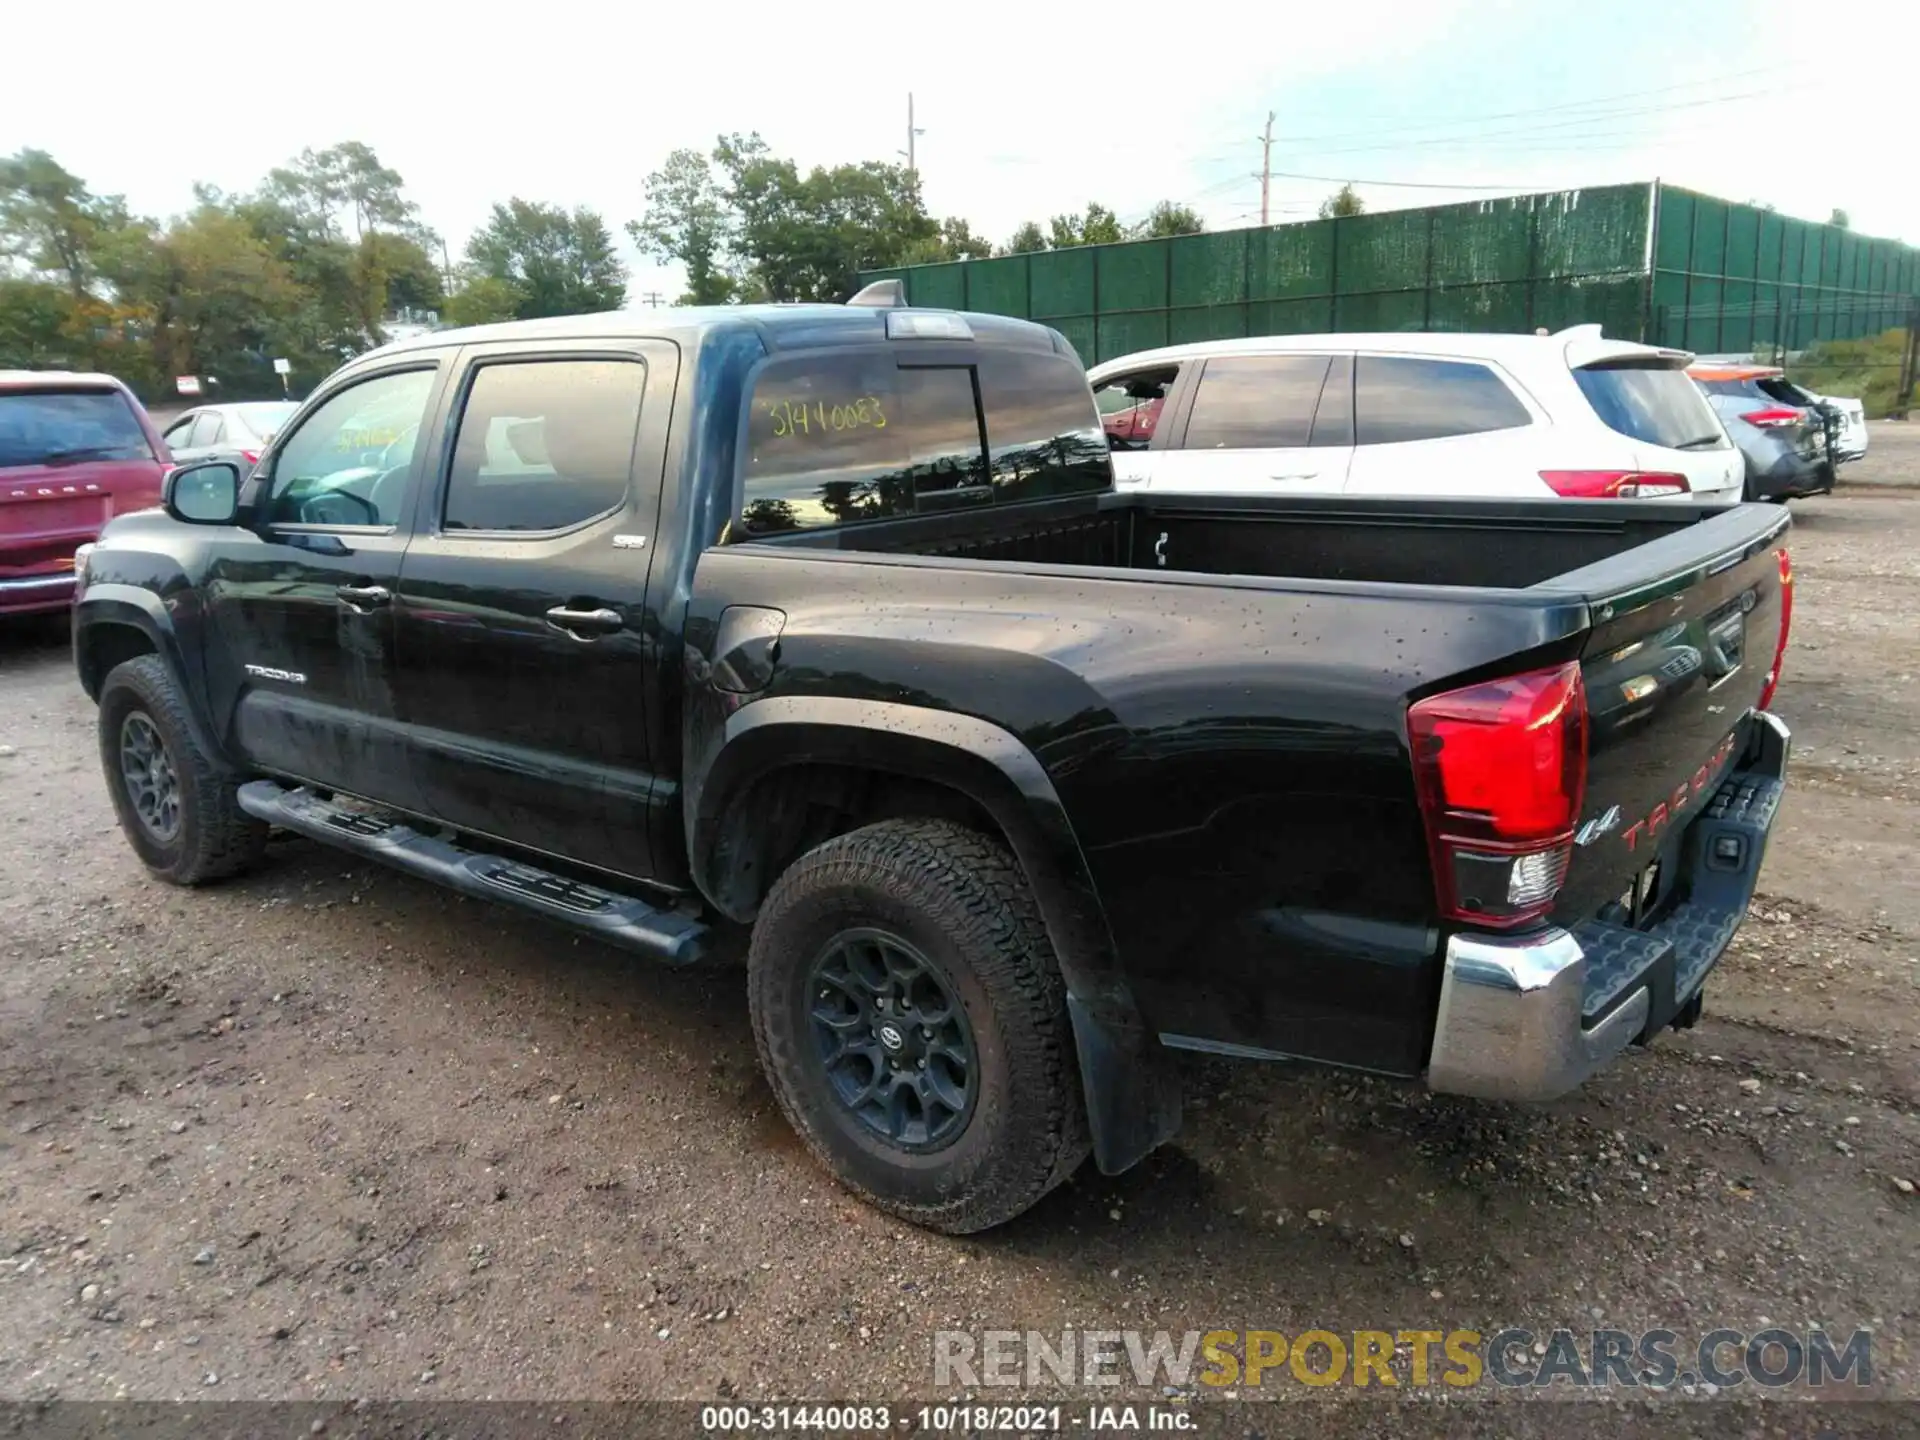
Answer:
x=152 y=784
x=893 y=1041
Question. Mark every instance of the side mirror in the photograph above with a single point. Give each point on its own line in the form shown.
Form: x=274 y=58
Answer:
x=203 y=494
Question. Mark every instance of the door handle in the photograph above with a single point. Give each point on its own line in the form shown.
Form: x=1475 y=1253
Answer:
x=365 y=597
x=1299 y=475
x=592 y=622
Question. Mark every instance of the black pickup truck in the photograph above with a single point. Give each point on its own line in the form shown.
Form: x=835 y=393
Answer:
x=827 y=619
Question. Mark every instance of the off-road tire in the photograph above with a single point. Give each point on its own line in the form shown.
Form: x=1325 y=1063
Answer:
x=959 y=898
x=216 y=838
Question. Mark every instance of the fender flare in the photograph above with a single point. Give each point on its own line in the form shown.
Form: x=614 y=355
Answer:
x=1131 y=1088
x=134 y=608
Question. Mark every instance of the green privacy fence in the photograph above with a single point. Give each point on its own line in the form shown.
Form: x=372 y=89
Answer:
x=1614 y=255
x=1730 y=278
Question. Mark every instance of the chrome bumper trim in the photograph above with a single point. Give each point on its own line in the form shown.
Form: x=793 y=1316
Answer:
x=31 y=584
x=1509 y=1020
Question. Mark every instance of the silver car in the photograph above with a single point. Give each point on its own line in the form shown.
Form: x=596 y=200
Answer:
x=212 y=431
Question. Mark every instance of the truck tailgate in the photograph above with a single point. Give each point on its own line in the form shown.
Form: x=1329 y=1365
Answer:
x=1686 y=632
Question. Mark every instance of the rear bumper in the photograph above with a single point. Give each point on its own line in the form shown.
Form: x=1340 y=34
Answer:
x=1778 y=471
x=1531 y=1017
x=34 y=594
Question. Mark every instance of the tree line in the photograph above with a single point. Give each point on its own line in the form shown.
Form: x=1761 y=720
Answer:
x=746 y=224
x=311 y=266
x=314 y=263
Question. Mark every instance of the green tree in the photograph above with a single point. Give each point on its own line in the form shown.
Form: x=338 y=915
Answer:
x=1169 y=218
x=806 y=237
x=955 y=241
x=410 y=272
x=561 y=262
x=1028 y=238
x=1098 y=226
x=36 y=320
x=960 y=242
x=341 y=220
x=347 y=178
x=688 y=220
x=482 y=300
x=51 y=221
x=1342 y=203
x=217 y=300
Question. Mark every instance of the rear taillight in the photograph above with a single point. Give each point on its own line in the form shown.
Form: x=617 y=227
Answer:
x=1773 y=419
x=1614 y=484
x=253 y=456
x=1501 y=770
x=1786 y=624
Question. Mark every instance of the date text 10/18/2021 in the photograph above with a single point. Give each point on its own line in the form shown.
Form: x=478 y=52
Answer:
x=955 y=1419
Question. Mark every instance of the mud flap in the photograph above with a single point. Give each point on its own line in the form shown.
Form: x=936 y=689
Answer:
x=1132 y=1088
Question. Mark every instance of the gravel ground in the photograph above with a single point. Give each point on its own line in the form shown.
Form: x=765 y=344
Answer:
x=328 y=1132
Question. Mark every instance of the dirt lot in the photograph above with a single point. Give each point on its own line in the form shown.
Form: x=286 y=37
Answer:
x=328 y=1132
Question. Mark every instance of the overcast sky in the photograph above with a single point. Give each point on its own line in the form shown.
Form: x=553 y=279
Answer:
x=1028 y=108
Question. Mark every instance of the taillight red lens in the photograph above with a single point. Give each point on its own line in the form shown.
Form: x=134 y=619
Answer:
x=1786 y=624
x=253 y=456
x=1772 y=418
x=1501 y=771
x=1614 y=484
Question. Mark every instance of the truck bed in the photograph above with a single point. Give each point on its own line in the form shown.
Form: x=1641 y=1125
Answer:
x=1194 y=674
x=1516 y=544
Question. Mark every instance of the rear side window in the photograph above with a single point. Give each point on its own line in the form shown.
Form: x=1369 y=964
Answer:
x=1399 y=398
x=1787 y=393
x=55 y=427
x=839 y=439
x=1257 y=402
x=1043 y=433
x=1654 y=405
x=1130 y=406
x=544 y=444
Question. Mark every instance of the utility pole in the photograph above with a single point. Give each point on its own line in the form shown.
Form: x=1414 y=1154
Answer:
x=909 y=152
x=652 y=297
x=1265 y=177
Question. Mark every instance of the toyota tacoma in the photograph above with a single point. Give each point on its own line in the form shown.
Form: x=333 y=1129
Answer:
x=828 y=620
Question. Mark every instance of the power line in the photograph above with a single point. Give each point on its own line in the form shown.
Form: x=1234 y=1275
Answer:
x=1607 y=108
x=1574 y=123
x=1598 y=100
x=1409 y=184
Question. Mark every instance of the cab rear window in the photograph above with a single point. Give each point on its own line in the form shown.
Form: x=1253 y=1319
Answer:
x=1656 y=405
x=56 y=427
x=848 y=437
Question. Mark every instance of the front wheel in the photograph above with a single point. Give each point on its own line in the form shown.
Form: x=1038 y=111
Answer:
x=913 y=1024
x=177 y=809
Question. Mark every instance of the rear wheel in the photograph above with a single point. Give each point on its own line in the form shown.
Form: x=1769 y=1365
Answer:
x=912 y=1023
x=176 y=807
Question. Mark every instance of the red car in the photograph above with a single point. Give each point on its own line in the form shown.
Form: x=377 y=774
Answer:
x=75 y=450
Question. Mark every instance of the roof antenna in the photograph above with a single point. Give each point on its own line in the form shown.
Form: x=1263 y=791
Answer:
x=882 y=295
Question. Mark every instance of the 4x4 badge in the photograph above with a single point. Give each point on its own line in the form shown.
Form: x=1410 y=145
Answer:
x=1594 y=829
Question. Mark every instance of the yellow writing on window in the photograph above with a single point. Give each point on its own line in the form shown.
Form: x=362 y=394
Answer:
x=375 y=437
x=819 y=418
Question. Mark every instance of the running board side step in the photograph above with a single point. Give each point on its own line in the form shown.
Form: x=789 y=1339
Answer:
x=617 y=919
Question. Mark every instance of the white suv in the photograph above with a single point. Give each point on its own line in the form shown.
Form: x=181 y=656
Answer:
x=1466 y=416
